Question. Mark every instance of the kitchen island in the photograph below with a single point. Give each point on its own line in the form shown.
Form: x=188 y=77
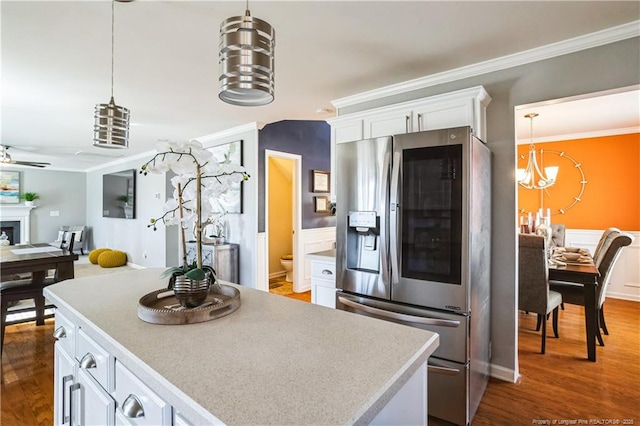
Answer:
x=273 y=361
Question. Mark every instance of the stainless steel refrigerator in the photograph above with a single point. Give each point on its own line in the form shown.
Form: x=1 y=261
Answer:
x=413 y=247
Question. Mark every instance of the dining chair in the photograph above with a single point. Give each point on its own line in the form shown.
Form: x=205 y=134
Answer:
x=25 y=289
x=534 y=294
x=558 y=231
x=605 y=259
x=605 y=237
x=597 y=253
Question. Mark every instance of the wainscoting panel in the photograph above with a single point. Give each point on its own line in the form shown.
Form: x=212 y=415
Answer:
x=262 y=281
x=625 y=278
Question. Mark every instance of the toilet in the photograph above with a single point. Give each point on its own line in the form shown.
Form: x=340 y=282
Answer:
x=287 y=263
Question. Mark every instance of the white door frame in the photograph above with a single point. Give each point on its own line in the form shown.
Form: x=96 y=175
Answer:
x=298 y=265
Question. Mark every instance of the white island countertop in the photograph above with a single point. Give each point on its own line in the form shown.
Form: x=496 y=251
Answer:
x=273 y=361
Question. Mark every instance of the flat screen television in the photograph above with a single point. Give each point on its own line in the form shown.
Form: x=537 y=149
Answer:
x=119 y=194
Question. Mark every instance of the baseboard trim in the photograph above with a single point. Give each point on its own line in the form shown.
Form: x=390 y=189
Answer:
x=623 y=296
x=135 y=266
x=304 y=289
x=503 y=373
x=277 y=274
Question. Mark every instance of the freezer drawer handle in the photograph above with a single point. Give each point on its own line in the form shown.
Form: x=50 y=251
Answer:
x=399 y=316
x=444 y=370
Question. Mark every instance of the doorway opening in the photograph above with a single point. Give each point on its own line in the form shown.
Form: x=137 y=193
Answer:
x=576 y=120
x=282 y=221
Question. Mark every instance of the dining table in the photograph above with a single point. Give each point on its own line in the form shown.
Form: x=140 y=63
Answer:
x=586 y=275
x=36 y=259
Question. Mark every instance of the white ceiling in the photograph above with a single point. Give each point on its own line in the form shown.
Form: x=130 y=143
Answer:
x=56 y=61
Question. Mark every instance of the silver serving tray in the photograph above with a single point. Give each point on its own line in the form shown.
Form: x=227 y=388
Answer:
x=162 y=307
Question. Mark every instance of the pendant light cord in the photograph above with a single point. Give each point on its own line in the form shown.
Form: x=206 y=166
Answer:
x=113 y=2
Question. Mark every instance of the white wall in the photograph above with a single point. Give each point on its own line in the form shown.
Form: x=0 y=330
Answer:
x=159 y=248
x=143 y=246
x=243 y=228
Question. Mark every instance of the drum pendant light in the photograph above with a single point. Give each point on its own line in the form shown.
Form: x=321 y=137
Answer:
x=111 y=128
x=246 y=61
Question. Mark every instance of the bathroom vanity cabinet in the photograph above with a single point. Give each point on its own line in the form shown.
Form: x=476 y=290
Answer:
x=323 y=278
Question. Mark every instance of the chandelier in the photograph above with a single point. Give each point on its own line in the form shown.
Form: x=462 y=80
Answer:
x=246 y=60
x=532 y=177
x=111 y=127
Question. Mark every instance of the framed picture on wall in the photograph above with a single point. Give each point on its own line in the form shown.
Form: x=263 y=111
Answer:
x=321 y=204
x=321 y=181
x=231 y=201
x=9 y=187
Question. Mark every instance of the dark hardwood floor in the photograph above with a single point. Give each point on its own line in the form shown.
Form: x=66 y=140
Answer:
x=561 y=385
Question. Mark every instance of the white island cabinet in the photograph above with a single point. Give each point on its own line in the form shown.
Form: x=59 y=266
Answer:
x=273 y=361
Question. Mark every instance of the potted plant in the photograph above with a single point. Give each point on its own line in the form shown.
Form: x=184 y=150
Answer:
x=197 y=180
x=29 y=198
x=124 y=199
x=214 y=232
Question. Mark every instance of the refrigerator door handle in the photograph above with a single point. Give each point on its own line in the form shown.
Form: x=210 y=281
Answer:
x=443 y=370
x=384 y=221
x=393 y=218
x=398 y=316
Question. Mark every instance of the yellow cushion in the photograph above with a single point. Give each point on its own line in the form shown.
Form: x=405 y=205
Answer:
x=93 y=256
x=112 y=258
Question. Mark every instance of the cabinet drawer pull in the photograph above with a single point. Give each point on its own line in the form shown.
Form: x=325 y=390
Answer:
x=132 y=407
x=327 y=272
x=88 y=361
x=74 y=387
x=60 y=333
x=65 y=379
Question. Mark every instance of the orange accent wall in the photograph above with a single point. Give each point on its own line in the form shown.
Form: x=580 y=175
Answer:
x=611 y=166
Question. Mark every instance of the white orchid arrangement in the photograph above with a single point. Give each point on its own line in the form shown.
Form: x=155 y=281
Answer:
x=198 y=177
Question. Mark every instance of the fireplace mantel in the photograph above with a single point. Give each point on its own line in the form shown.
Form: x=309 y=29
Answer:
x=20 y=213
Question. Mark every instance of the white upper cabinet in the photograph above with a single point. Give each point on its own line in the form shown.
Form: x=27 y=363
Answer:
x=348 y=131
x=461 y=108
x=465 y=107
x=388 y=123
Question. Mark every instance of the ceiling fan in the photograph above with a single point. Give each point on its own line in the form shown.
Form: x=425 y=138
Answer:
x=5 y=158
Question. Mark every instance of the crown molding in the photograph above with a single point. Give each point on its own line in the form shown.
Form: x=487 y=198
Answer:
x=204 y=140
x=599 y=38
x=583 y=135
x=207 y=139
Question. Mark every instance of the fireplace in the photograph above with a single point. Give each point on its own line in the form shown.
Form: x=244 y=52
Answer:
x=11 y=228
x=17 y=220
